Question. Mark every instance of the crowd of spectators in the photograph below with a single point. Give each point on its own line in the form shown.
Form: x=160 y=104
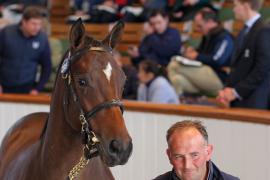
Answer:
x=100 y=11
x=163 y=69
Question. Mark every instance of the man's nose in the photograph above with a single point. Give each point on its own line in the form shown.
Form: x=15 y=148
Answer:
x=187 y=163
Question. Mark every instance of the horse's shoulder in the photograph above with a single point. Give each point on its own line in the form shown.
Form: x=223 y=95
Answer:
x=23 y=133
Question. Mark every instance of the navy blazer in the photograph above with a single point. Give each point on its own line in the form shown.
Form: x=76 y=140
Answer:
x=250 y=68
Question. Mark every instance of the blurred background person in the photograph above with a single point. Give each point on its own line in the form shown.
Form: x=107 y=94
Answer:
x=160 y=45
x=154 y=87
x=185 y=10
x=215 y=51
x=249 y=82
x=23 y=47
x=12 y=10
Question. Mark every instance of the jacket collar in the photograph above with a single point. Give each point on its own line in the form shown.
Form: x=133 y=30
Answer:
x=210 y=172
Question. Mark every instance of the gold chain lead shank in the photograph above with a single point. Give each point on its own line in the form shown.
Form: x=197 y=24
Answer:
x=77 y=168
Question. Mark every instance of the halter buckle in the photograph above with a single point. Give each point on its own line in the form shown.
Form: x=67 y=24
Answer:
x=94 y=138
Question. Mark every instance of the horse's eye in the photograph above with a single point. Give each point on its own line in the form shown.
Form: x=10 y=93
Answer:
x=82 y=82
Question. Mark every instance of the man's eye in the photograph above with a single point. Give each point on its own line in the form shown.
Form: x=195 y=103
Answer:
x=194 y=155
x=178 y=157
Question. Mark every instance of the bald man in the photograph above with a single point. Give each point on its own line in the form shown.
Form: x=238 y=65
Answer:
x=190 y=154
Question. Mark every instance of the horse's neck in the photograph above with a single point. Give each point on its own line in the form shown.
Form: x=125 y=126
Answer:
x=61 y=146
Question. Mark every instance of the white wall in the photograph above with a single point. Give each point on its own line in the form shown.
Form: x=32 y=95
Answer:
x=240 y=148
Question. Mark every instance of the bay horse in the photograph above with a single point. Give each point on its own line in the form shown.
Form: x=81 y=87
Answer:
x=84 y=133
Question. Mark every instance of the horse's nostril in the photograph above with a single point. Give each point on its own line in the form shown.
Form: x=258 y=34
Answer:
x=115 y=146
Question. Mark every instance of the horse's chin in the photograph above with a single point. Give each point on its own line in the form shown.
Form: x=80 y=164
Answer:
x=112 y=160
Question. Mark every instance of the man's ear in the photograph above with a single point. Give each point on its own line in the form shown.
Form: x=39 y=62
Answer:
x=209 y=151
x=169 y=154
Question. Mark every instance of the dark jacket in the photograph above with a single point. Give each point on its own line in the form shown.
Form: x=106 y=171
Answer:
x=20 y=57
x=250 y=72
x=161 y=47
x=216 y=50
x=213 y=174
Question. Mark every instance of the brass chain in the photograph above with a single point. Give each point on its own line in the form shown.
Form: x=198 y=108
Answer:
x=77 y=168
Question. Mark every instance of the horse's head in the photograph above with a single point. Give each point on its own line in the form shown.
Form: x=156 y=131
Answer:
x=94 y=85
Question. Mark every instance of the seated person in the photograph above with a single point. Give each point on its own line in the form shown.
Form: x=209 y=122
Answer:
x=185 y=10
x=80 y=8
x=12 y=10
x=160 y=45
x=99 y=11
x=214 y=52
x=141 y=13
x=154 y=87
x=190 y=154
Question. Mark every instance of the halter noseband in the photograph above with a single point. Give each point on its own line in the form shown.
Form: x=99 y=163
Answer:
x=89 y=139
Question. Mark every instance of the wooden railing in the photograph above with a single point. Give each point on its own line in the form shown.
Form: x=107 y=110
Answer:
x=236 y=114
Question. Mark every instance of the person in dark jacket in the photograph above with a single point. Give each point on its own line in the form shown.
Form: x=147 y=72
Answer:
x=214 y=53
x=185 y=10
x=190 y=154
x=23 y=47
x=161 y=45
x=248 y=85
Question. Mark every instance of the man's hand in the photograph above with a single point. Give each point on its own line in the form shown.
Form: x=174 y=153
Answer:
x=191 y=53
x=133 y=51
x=34 y=92
x=226 y=96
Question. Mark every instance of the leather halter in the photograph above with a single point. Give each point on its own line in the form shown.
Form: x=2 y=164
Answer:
x=89 y=139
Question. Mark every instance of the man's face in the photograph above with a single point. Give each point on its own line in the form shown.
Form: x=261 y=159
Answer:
x=159 y=23
x=189 y=154
x=240 y=10
x=201 y=25
x=32 y=26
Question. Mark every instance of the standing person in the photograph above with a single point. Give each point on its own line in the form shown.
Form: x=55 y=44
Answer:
x=249 y=82
x=190 y=154
x=214 y=53
x=154 y=87
x=23 y=47
x=162 y=44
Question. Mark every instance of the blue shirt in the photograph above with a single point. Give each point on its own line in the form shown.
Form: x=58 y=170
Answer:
x=20 y=57
x=161 y=47
x=158 y=91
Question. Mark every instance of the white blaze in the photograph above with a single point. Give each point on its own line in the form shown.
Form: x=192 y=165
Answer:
x=108 y=71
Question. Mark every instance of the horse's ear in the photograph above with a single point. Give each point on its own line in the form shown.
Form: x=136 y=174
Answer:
x=77 y=33
x=115 y=35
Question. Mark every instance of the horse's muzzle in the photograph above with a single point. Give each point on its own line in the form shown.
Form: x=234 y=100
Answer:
x=118 y=152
